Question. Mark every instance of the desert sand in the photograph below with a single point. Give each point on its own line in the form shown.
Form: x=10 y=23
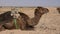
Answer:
x=48 y=24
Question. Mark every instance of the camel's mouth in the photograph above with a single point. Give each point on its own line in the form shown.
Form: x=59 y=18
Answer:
x=46 y=11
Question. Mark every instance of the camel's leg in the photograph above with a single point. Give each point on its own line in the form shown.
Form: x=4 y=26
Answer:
x=1 y=28
x=21 y=23
x=9 y=25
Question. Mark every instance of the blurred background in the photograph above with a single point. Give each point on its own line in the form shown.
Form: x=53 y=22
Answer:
x=30 y=3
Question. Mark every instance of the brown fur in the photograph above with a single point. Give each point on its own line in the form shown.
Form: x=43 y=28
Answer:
x=7 y=21
x=39 y=11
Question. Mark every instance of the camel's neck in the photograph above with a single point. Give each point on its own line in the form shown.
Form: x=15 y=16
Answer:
x=36 y=18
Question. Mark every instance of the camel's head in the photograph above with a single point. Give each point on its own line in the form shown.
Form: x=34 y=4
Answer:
x=58 y=10
x=41 y=10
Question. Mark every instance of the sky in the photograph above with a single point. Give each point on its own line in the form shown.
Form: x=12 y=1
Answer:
x=49 y=3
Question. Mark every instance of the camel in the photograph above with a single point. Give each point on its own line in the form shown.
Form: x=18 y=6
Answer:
x=58 y=10
x=23 y=20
